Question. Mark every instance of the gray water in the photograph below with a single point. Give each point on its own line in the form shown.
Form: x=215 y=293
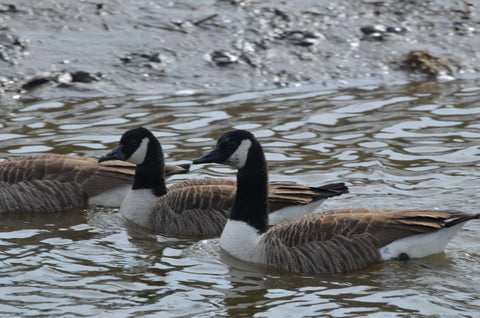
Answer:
x=414 y=145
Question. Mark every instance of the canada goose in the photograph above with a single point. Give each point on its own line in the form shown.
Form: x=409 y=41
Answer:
x=196 y=207
x=323 y=242
x=51 y=183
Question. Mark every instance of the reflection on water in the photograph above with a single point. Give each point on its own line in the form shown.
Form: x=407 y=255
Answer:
x=406 y=146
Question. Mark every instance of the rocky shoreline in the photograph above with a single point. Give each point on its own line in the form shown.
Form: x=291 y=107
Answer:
x=51 y=49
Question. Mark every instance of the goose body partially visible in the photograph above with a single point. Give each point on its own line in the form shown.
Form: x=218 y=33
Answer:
x=324 y=242
x=52 y=183
x=197 y=207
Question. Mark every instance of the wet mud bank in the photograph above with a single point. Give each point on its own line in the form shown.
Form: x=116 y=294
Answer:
x=51 y=48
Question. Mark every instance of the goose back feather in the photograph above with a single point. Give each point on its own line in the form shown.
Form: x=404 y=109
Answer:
x=197 y=210
x=280 y=195
x=26 y=181
x=347 y=239
x=41 y=196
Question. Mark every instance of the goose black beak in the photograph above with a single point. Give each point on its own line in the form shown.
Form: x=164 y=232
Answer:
x=213 y=156
x=115 y=154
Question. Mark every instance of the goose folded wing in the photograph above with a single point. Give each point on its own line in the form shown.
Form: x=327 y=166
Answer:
x=95 y=178
x=199 y=210
x=205 y=181
x=346 y=239
x=280 y=195
x=287 y=194
x=41 y=196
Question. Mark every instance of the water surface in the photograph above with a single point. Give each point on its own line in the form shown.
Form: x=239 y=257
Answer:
x=405 y=146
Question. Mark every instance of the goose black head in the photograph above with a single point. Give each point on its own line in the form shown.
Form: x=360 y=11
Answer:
x=232 y=149
x=133 y=146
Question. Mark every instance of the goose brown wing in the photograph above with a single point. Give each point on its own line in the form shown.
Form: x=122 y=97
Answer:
x=196 y=210
x=280 y=195
x=41 y=196
x=220 y=182
x=346 y=239
x=43 y=167
x=95 y=178
x=403 y=223
x=170 y=170
x=287 y=194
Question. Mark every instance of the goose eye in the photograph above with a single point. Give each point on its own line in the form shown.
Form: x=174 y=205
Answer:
x=229 y=147
x=132 y=144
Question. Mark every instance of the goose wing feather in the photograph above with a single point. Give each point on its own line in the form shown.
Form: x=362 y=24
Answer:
x=205 y=181
x=345 y=239
x=280 y=195
x=196 y=210
x=44 y=167
x=41 y=196
x=95 y=178
x=286 y=194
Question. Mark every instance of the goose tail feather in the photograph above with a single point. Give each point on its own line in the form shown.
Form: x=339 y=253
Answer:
x=329 y=190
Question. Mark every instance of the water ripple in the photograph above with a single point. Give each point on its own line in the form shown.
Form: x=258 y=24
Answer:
x=395 y=147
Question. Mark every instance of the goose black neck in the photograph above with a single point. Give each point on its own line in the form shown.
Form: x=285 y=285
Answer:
x=151 y=173
x=251 y=200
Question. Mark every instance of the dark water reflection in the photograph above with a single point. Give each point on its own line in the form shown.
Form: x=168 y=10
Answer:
x=406 y=146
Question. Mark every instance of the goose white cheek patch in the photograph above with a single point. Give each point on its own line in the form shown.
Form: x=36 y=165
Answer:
x=239 y=157
x=139 y=155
